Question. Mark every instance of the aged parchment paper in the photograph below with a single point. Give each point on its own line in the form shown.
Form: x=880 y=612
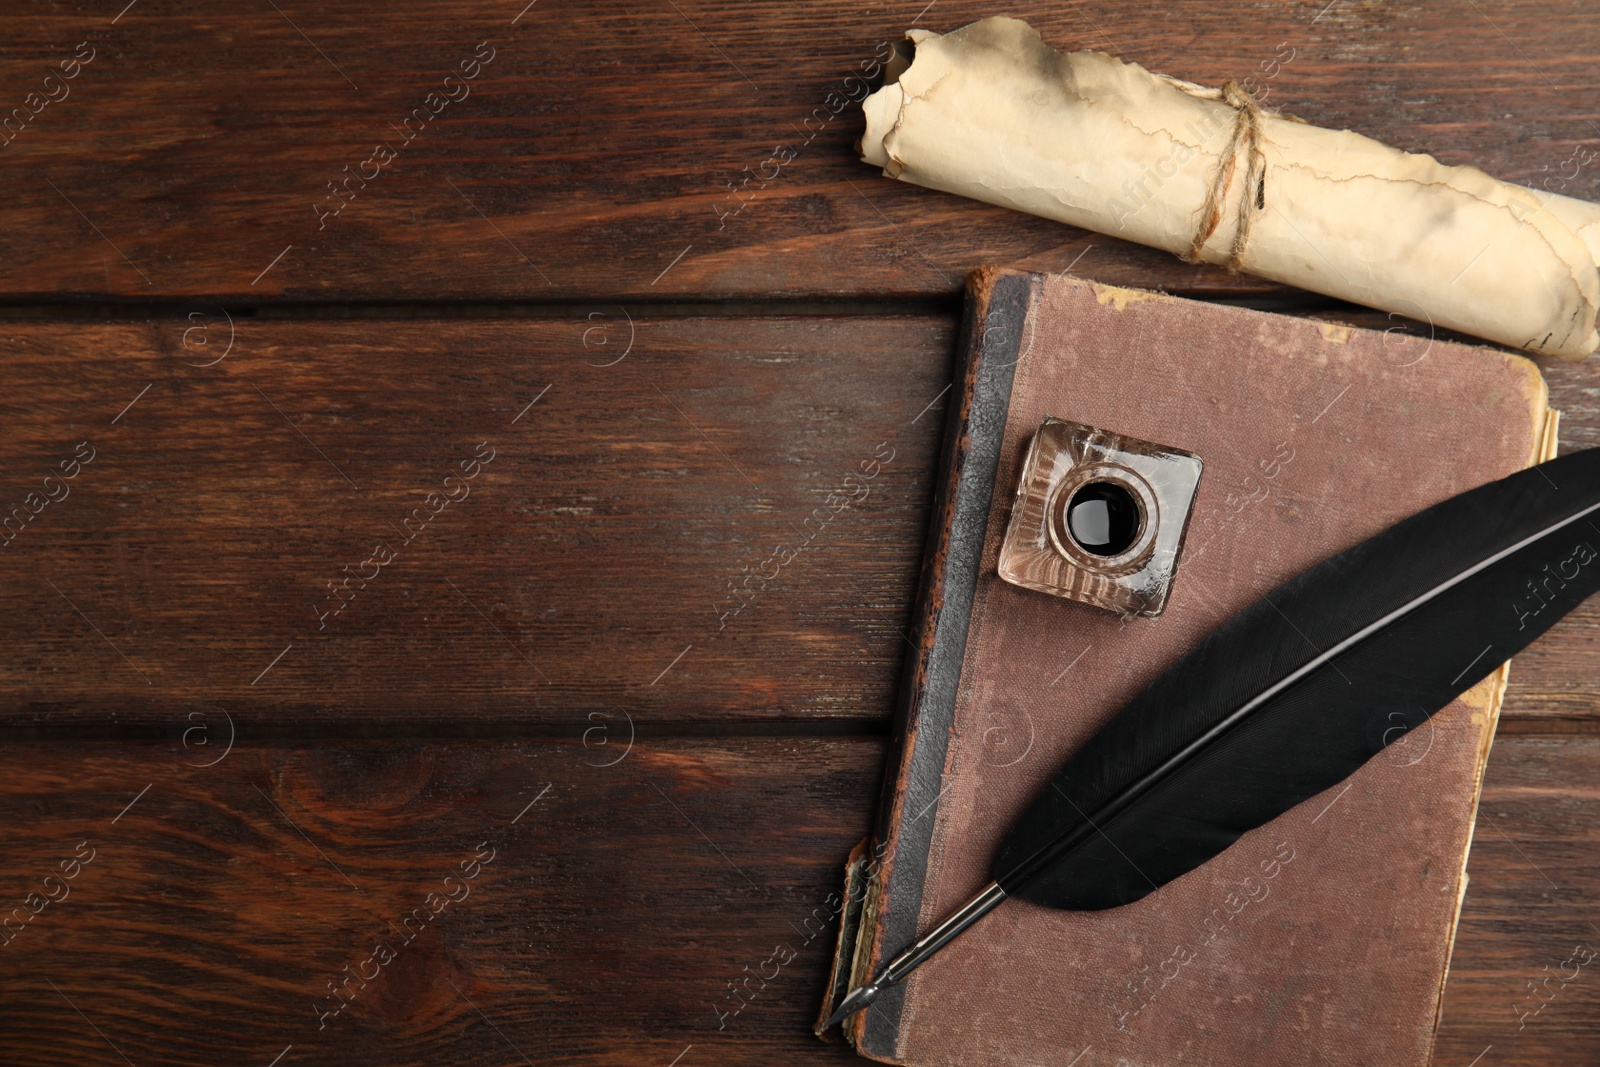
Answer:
x=991 y=112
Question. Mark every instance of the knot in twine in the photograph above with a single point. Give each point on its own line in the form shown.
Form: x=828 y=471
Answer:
x=1246 y=131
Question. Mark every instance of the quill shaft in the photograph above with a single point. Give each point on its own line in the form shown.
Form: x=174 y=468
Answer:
x=944 y=933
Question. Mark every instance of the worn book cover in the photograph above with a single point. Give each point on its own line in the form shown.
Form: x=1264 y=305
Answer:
x=1323 y=937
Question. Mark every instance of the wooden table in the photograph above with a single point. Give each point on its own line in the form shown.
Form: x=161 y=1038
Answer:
x=439 y=369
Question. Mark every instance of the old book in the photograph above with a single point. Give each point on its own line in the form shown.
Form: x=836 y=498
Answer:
x=1322 y=937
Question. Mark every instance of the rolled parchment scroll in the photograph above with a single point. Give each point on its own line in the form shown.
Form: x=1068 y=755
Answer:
x=991 y=112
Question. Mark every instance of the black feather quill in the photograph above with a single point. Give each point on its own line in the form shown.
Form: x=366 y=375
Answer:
x=1296 y=692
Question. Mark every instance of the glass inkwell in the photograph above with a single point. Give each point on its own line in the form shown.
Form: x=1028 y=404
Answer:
x=1099 y=518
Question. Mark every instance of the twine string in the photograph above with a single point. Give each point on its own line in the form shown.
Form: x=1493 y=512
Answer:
x=1246 y=132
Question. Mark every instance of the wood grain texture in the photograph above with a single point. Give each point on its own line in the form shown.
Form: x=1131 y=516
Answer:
x=604 y=153
x=605 y=928
x=615 y=556
x=631 y=515
x=610 y=921
x=1530 y=904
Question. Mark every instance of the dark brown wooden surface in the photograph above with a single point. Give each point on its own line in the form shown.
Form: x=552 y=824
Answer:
x=268 y=400
x=599 y=143
x=1530 y=904
x=587 y=569
x=606 y=929
x=615 y=912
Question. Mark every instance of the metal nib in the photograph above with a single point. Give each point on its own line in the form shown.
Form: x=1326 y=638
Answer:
x=857 y=1000
x=912 y=958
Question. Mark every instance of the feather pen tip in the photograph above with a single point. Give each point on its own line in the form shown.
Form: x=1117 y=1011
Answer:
x=858 y=999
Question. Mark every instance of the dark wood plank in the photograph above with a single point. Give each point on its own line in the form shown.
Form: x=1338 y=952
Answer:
x=626 y=517
x=603 y=152
x=617 y=921
x=608 y=926
x=1530 y=904
x=615 y=557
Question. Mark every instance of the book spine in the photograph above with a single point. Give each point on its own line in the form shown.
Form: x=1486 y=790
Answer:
x=991 y=341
